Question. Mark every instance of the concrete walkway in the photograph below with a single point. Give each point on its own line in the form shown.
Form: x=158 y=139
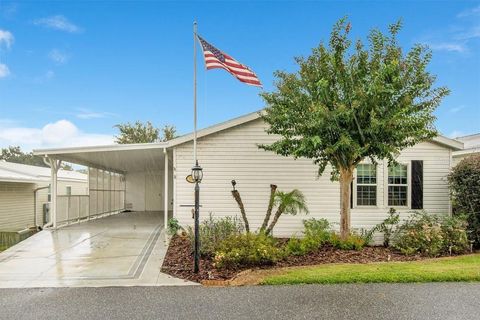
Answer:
x=120 y=250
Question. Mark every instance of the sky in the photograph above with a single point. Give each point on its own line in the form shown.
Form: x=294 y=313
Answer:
x=71 y=70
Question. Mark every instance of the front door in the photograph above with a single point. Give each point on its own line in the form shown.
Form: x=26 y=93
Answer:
x=153 y=192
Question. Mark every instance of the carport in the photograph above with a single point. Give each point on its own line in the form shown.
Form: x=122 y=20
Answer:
x=132 y=177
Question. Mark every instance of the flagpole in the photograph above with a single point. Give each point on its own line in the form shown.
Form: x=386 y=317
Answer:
x=195 y=92
x=196 y=170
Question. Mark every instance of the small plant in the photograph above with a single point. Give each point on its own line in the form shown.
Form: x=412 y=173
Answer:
x=352 y=242
x=388 y=226
x=214 y=231
x=173 y=226
x=247 y=250
x=316 y=233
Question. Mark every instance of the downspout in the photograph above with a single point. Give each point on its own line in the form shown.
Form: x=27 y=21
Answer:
x=35 y=205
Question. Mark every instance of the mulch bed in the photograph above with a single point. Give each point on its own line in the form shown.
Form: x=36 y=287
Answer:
x=178 y=261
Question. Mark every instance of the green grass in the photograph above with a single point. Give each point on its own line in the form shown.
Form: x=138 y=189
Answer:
x=462 y=268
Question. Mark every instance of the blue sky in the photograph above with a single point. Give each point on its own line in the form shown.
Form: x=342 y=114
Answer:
x=70 y=71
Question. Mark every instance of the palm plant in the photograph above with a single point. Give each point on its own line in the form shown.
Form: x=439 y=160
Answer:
x=292 y=202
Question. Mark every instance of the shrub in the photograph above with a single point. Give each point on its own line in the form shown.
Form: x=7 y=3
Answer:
x=430 y=235
x=214 y=231
x=455 y=234
x=388 y=226
x=173 y=226
x=464 y=183
x=352 y=242
x=247 y=250
x=316 y=233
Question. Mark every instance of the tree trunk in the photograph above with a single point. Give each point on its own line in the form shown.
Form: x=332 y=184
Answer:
x=236 y=196
x=273 y=189
x=275 y=219
x=346 y=177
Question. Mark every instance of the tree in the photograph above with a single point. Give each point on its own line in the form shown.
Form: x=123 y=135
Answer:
x=346 y=104
x=143 y=133
x=137 y=133
x=464 y=183
x=292 y=202
x=15 y=154
x=169 y=133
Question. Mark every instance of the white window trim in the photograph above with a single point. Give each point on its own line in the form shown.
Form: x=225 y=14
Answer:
x=354 y=188
x=409 y=186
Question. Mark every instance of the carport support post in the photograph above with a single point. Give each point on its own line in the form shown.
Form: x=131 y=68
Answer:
x=165 y=190
x=54 y=167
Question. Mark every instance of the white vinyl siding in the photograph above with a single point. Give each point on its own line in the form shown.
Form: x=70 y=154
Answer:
x=16 y=206
x=234 y=154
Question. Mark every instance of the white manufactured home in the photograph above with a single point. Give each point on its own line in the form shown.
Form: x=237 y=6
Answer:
x=152 y=177
x=25 y=194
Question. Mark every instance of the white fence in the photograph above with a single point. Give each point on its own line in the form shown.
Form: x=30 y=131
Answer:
x=107 y=192
x=106 y=196
x=72 y=208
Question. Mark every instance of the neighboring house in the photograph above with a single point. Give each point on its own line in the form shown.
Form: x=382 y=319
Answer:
x=155 y=177
x=471 y=146
x=24 y=190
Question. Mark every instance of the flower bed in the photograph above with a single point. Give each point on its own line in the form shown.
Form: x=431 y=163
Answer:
x=179 y=260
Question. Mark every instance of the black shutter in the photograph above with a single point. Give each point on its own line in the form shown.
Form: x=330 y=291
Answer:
x=417 y=184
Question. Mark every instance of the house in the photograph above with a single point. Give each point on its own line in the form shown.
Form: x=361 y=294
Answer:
x=471 y=144
x=154 y=177
x=24 y=193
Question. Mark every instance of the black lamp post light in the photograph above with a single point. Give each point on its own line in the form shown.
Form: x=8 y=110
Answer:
x=197 y=176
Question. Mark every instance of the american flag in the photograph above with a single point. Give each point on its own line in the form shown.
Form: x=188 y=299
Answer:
x=215 y=59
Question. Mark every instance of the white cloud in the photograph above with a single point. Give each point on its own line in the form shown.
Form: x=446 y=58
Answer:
x=58 y=22
x=448 y=46
x=471 y=33
x=469 y=12
x=58 y=56
x=62 y=133
x=6 y=38
x=89 y=114
x=456 y=109
x=4 y=71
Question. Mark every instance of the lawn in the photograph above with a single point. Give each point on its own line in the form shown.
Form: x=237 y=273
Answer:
x=461 y=268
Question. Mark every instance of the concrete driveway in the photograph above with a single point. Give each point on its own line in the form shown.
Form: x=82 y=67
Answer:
x=126 y=249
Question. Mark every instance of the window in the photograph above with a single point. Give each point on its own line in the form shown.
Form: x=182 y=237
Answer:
x=397 y=185
x=69 y=190
x=366 y=185
x=49 y=197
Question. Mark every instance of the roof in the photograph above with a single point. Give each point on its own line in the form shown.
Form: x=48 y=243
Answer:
x=442 y=140
x=471 y=141
x=16 y=172
x=128 y=156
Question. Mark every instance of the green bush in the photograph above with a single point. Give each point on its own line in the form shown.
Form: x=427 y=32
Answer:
x=173 y=226
x=214 y=231
x=430 y=235
x=316 y=233
x=455 y=234
x=464 y=183
x=352 y=242
x=247 y=250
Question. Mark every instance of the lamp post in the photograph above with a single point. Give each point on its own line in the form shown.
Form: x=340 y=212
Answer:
x=197 y=175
